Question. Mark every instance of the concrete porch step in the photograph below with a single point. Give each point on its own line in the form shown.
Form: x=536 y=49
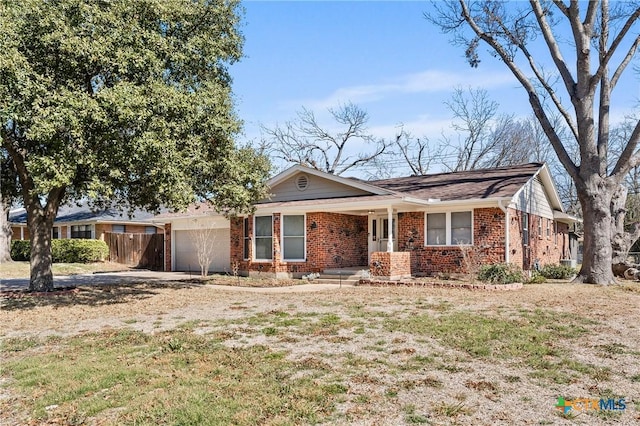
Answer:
x=335 y=280
x=354 y=271
x=346 y=276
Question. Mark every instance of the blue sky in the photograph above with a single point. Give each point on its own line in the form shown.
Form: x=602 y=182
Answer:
x=383 y=56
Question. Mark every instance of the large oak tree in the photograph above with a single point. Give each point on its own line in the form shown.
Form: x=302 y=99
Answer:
x=589 y=46
x=121 y=102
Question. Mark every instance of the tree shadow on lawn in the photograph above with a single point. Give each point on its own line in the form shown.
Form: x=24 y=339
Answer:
x=92 y=295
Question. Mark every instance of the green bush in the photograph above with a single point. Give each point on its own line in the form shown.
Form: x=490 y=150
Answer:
x=20 y=250
x=65 y=251
x=500 y=273
x=536 y=278
x=557 y=272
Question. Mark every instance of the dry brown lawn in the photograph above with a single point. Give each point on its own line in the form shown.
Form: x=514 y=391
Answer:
x=21 y=269
x=382 y=355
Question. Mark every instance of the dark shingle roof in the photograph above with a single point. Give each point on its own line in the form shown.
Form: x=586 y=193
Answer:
x=82 y=213
x=475 y=184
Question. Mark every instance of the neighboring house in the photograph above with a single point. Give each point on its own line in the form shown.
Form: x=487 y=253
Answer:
x=83 y=222
x=122 y=233
x=418 y=225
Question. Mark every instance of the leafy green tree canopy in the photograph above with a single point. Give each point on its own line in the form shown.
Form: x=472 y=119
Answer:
x=125 y=102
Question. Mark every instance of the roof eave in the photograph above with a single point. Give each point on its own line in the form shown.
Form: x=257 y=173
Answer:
x=438 y=202
x=565 y=217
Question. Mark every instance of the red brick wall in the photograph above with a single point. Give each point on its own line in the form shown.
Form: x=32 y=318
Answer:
x=391 y=266
x=337 y=240
x=333 y=241
x=236 y=232
x=167 y=247
x=16 y=233
x=546 y=249
x=100 y=229
x=488 y=246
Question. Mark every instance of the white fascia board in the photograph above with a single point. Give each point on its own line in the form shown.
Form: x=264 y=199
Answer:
x=328 y=207
x=102 y=222
x=186 y=216
x=565 y=217
x=122 y=222
x=400 y=203
x=77 y=222
x=475 y=202
x=344 y=181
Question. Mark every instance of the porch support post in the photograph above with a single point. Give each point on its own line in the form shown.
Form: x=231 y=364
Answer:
x=390 y=229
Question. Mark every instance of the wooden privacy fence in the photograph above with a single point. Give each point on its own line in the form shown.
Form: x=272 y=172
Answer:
x=139 y=250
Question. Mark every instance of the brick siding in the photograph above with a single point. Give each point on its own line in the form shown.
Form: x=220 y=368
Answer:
x=545 y=249
x=488 y=246
x=333 y=241
x=167 y=247
x=391 y=266
x=339 y=240
x=488 y=243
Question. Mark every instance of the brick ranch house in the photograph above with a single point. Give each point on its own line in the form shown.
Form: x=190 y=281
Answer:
x=418 y=225
x=132 y=240
x=84 y=222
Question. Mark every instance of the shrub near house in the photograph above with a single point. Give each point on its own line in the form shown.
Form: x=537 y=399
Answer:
x=65 y=251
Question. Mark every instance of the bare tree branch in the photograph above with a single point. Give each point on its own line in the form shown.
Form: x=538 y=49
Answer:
x=604 y=62
x=534 y=99
x=307 y=142
x=414 y=152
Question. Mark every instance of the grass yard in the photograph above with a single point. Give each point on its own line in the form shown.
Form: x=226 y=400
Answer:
x=21 y=269
x=191 y=354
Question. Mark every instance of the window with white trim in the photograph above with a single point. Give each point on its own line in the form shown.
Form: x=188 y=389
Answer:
x=436 y=229
x=55 y=233
x=548 y=228
x=118 y=229
x=150 y=230
x=450 y=228
x=525 y=228
x=461 y=228
x=293 y=237
x=263 y=229
x=540 y=227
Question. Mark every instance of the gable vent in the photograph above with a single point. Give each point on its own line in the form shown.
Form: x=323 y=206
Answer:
x=302 y=182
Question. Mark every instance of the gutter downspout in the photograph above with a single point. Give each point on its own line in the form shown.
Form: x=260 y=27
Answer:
x=506 y=231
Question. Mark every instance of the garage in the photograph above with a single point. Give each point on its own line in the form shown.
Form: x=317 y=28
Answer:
x=185 y=249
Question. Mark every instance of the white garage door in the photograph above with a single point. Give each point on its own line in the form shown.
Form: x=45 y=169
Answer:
x=186 y=253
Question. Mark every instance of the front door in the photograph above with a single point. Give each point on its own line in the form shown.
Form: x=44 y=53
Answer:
x=379 y=233
x=383 y=232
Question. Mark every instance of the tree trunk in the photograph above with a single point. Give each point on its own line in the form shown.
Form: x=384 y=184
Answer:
x=622 y=239
x=597 y=251
x=5 y=232
x=41 y=259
